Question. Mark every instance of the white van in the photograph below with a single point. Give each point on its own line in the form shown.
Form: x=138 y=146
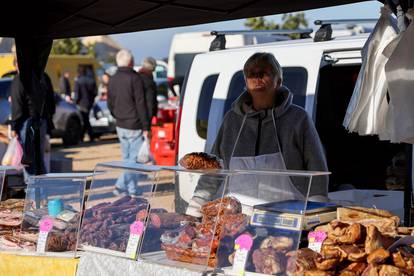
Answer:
x=321 y=76
x=185 y=46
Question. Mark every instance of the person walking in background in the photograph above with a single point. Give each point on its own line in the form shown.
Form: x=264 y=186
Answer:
x=85 y=93
x=23 y=122
x=103 y=87
x=150 y=87
x=127 y=104
x=64 y=86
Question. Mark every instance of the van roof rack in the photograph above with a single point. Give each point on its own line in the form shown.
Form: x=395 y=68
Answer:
x=219 y=42
x=325 y=31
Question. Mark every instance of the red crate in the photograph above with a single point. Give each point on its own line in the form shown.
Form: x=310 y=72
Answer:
x=164 y=132
x=167 y=115
x=164 y=152
x=165 y=160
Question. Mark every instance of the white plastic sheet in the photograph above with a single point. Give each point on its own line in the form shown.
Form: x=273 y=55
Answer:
x=399 y=72
x=369 y=97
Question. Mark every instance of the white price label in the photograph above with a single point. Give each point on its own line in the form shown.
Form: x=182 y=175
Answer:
x=132 y=246
x=239 y=263
x=315 y=246
x=41 y=242
x=135 y=231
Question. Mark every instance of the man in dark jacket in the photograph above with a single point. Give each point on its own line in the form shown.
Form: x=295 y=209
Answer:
x=24 y=111
x=127 y=103
x=150 y=87
x=85 y=93
x=64 y=86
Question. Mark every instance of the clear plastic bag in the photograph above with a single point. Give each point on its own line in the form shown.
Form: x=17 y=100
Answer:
x=13 y=155
x=144 y=153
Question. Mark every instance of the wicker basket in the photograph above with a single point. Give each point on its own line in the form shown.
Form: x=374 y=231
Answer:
x=187 y=255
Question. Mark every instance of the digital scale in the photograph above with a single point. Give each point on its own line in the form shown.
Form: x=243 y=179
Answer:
x=290 y=215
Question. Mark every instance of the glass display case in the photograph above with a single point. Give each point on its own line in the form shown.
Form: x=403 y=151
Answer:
x=3 y=170
x=234 y=220
x=117 y=207
x=52 y=214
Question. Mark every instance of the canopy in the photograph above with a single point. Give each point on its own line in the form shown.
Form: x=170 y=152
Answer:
x=73 y=18
x=35 y=23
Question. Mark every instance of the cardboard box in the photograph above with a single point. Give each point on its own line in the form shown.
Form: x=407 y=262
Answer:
x=392 y=201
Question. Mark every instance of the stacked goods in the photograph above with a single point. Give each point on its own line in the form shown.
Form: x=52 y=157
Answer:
x=357 y=244
x=11 y=215
x=106 y=225
x=197 y=243
x=269 y=255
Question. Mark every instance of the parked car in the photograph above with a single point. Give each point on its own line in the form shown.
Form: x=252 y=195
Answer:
x=101 y=118
x=160 y=78
x=321 y=76
x=67 y=119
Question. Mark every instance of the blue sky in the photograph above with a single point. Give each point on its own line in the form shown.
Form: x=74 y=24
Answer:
x=156 y=43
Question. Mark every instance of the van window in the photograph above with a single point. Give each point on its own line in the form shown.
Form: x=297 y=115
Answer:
x=204 y=103
x=182 y=62
x=161 y=72
x=295 y=78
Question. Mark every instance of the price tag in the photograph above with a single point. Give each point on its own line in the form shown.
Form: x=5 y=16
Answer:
x=135 y=232
x=45 y=226
x=316 y=239
x=242 y=245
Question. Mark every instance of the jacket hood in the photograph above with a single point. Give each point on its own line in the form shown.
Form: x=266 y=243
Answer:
x=243 y=105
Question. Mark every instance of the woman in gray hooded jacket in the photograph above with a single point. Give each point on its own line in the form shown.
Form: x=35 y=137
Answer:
x=264 y=130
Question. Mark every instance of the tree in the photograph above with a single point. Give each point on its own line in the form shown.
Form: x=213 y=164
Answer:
x=67 y=46
x=71 y=46
x=290 y=21
x=260 y=23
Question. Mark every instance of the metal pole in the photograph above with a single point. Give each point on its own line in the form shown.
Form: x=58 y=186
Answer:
x=408 y=189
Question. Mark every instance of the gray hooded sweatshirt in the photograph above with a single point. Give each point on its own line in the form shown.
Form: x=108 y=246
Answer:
x=298 y=138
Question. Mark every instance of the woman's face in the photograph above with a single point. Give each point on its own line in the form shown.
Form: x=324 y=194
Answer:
x=261 y=83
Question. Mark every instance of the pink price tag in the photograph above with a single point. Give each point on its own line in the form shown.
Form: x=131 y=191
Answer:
x=46 y=225
x=136 y=228
x=244 y=241
x=317 y=236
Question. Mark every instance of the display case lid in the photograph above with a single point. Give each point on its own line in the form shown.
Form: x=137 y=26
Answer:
x=5 y=168
x=239 y=172
x=64 y=175
x=130 y=166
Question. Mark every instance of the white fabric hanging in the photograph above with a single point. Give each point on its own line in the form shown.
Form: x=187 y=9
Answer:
x=369 y=97
x=399 y=72
x=386 y=127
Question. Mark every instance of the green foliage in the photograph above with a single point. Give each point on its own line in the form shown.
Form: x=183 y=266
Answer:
x=260 y=23
x=71 y=46
x=290 y=21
